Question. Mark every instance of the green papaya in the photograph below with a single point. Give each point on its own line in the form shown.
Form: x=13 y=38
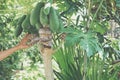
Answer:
x=43 y=17
x=33 y=30
x=21 y=19
x=28 y=27
x=18 y=30
x=26 y=23
x=34 y=17
x=38 y=25
x=47 y=8
x=54 y=20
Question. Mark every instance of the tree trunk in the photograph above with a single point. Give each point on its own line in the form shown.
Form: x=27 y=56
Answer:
x=47 y=58
x=46 y=51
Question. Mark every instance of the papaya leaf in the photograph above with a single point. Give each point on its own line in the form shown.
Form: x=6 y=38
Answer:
x=87 y=41
x=118 y=3
x=90 y=44
x=77 y=20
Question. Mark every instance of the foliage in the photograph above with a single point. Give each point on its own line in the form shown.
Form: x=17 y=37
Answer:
x=89 y=53
x=87 y=41
x=87 y=37
x=14 y=62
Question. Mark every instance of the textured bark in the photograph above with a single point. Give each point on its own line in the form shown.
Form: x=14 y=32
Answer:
x=47 y=58
x=46 y=51
x=113 y=25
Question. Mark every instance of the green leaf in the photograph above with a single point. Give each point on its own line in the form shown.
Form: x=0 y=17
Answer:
x=99 y=27
x=118 y=3
x=77 y=20
x=87 y=41
x=70 y=30
x=71 y=40
x=73 y=36
x=87 y=46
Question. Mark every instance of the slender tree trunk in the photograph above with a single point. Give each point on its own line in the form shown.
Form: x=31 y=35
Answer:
x=47 y=58
x=46 y=51
x=113 y=25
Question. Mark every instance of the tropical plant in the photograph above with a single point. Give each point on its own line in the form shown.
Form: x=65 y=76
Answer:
x=82 y=34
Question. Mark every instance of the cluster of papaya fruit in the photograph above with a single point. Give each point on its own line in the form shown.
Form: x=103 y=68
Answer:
x=43 y=15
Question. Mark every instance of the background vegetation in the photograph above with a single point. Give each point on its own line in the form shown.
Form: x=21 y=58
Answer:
x=91 y=49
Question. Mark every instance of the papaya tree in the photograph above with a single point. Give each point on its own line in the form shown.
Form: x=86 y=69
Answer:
x=81 y=36
x=43 y=20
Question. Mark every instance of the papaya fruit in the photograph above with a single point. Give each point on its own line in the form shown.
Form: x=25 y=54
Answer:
x=54 y=20
x=34 y=17
x=18 y=30
x=26 y=23
x=43 y=17
x=21 y=20
x=47 y=8
x=38 y=25
x=32 y=30
x=28 y=27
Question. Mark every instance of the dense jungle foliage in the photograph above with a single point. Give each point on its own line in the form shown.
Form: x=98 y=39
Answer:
x=87 y=46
